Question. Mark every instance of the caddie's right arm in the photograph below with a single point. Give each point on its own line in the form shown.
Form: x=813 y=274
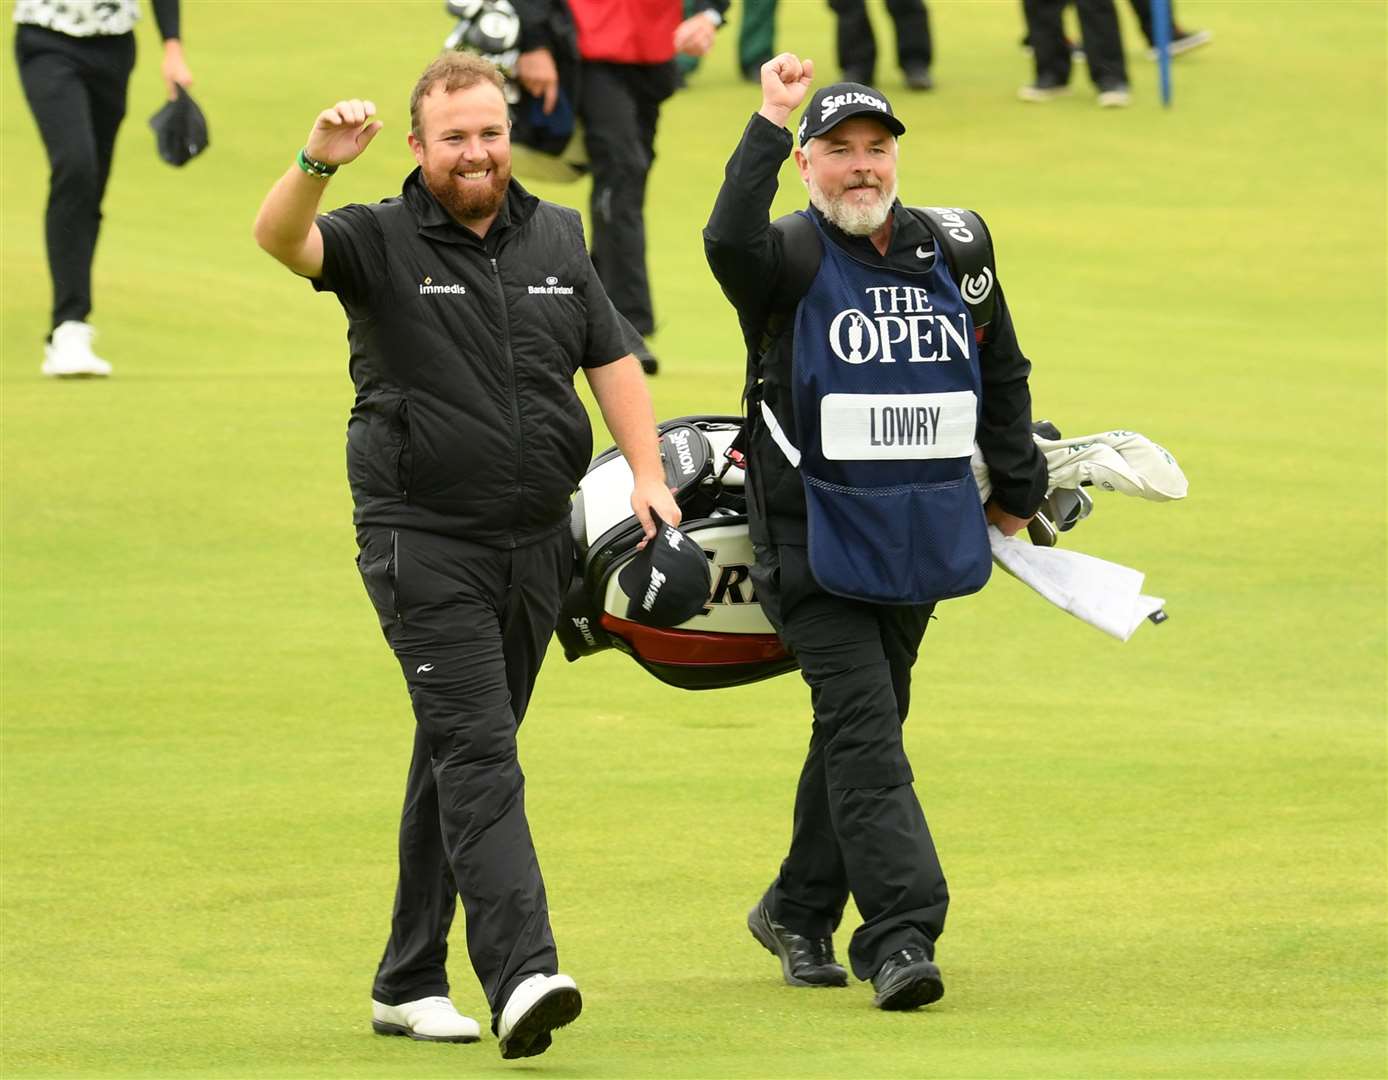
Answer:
x=285 y=226
x=738 y=240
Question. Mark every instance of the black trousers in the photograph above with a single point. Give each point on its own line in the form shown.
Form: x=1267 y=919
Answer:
x=76 y=90
x=858 y=827
x=1103 y=44
x=619 y=105
x=469 y=626
x=857 y=47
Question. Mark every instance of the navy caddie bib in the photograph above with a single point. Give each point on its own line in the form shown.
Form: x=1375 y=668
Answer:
x=887 y=392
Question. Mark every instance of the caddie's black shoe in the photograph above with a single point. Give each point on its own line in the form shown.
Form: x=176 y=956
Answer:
x=805 y=961
x=907 y=980
x=649 y=364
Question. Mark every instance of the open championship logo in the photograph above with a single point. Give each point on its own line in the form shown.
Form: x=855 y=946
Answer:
x=904 y=325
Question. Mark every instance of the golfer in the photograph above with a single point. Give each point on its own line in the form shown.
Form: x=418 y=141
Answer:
x=867 y=371
x=471 y=304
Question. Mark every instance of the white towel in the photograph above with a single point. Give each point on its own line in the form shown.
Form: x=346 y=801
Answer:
x=1101 y=593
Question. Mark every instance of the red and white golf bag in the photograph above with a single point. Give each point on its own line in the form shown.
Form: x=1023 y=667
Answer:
x=730 y=642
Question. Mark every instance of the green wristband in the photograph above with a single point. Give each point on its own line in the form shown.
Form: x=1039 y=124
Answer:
x=313 y=167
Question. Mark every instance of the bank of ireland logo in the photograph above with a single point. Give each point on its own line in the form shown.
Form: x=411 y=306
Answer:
x=976 y=289
x=551 y=280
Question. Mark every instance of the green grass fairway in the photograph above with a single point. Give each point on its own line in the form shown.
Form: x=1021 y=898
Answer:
x=1167 y=858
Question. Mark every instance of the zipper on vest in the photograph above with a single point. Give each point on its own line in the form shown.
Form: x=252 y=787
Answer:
x=515 y=394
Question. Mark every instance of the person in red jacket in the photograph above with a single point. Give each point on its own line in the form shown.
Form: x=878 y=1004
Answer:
x=627 y=50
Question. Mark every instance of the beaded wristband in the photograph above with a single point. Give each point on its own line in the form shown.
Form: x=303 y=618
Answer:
x=313 y=167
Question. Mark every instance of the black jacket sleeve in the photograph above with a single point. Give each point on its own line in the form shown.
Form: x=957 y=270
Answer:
x=537 y=29
x=166 y=15
x=1015 y=463
x=741 y=248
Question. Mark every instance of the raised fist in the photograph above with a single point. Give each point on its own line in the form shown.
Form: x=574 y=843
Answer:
x=785 y=80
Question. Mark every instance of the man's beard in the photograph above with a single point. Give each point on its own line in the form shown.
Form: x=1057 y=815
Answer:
x=856 y=220
x=471 y=202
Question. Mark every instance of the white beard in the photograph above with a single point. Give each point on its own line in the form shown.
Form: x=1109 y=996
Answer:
x=853 y=219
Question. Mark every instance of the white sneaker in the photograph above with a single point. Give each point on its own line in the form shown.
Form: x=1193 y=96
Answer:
x=536 y=1007
x=431 y=1019
x=1041 y=92
x=69 y=353
x=1117 y=97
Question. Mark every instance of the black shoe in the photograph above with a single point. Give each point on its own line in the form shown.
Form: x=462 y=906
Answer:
x=907 y=980
x=858 y=75
x=649 y=364
x=805 y=961
x=918 y=78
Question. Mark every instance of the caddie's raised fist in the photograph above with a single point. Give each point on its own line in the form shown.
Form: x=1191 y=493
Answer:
x=785 y=80
x=342 y=132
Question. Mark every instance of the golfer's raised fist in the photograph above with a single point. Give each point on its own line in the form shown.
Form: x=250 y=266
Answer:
x=342 y=132
x=785 y=80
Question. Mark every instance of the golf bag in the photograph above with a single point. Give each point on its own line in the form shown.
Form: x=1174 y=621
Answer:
x=730 y=642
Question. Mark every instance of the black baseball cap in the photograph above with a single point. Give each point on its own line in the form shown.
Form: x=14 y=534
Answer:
x=180 y=129
x=834 y=104
x=668 y=582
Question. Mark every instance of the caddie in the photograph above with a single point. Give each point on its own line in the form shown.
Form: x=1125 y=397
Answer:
x=471 y=305
x=871 y=376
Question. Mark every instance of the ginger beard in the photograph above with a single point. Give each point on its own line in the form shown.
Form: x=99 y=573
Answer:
x=469 y=199
x=861 y=208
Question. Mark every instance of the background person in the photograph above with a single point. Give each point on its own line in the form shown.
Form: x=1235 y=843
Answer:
x=1052 y=52
x=628 y=68
x=857 y=45
x=74 y=62
x=471 y=304
x=858 y=827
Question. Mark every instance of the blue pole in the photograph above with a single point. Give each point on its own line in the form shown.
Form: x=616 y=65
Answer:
x=1161 y=41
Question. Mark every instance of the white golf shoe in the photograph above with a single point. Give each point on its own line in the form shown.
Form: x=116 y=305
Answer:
x=431 y=1019
x=68 y=355
x=536 y=1007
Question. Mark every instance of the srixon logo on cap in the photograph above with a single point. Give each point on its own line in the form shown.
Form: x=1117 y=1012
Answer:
x=653 y=589
x=834 y=102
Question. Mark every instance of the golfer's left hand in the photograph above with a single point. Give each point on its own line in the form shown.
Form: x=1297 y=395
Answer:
x=651 y=495
x=174 y=68
x=694 y=36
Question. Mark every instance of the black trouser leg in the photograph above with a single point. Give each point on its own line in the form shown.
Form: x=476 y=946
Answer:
x=620 y=107
x=810 y=892
x=413 y=964
x=857 y=47
x=912 y=21
x=864 y=815
x=76 y=89
x=1049 y=49
x=470 y=626
x=1103 y=43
